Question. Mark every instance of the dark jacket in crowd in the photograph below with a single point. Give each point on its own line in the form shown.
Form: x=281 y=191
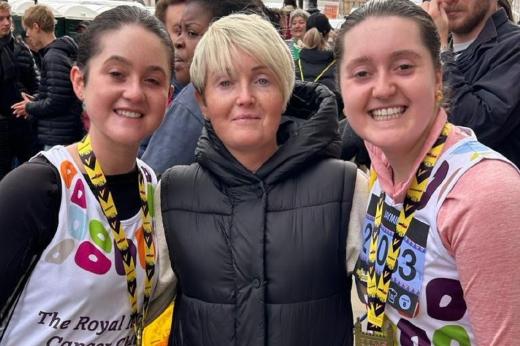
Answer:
x=317 y=66
x=56 y=108
x=17 y=73
x=260 y=257
x=484 y=83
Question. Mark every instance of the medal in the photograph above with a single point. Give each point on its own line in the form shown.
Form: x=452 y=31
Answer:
x=383 y=338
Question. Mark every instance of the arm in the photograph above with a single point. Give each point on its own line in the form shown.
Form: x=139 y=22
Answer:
x=166 y=286
x=28 y=76
x=490 y=104
x=480 y=227
x=29 y=207
x=59 y=88
x=357 y=215
x=174 y=142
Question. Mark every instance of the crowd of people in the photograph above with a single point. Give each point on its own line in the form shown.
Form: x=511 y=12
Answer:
x=249 y=178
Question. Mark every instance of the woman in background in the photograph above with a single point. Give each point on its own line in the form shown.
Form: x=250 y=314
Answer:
x=317 y=63
x=298 y=24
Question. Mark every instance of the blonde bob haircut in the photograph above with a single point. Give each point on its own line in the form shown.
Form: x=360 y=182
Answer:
x=251 y=34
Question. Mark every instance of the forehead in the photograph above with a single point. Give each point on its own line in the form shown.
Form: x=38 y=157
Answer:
x=385 y=33
x=174 y=13
x=121 y=42
x=298 y=18
x=195 y=12
x=4 y=13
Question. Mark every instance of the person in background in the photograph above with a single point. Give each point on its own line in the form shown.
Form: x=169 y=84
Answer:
x=263 y=228
x=481 y=68
x=175 y=141
x=169 y=13
x=56 y=108
x=17 y=77
x=443 y=209
x=78 y=258
x=298 y=24
x=317 y=63
x=506 y=5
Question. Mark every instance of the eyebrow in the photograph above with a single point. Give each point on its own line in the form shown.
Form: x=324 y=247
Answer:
x=394 y=55
x=121 y=60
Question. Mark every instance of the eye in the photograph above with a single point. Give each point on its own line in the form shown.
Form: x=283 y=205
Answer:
x=193 y=34
x=115 y=74
x=153 y=81
x=263 y=81
x=224 y=83
x=360 y=74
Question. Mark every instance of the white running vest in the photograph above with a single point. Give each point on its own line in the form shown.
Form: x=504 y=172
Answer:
x=77 y=293
x=425 y=300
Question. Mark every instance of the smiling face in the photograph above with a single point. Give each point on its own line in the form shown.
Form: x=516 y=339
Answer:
x=467 y=17
x=127 y=86
x=389 y=86
x=194 y=23
x=298 y=26
x=245 y=108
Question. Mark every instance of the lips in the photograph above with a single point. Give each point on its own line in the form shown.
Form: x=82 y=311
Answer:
x=245 y=117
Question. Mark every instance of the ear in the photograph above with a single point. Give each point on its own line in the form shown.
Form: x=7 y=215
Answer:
x=78 y=82
x=438 y=79
x=202 y=104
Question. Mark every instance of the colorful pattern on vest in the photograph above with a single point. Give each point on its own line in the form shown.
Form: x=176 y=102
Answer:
x=425 y=301
x=82 y=269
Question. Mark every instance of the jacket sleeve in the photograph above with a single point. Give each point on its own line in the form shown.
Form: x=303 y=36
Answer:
x=29 y=206
x=27 y=69
x=357 y=216
x=174 y=142
x=165 y=288
x=59 y=87
x=488 y=105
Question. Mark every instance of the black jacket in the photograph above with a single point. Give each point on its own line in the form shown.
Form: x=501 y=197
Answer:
x=17 y=73
x=317 y=66
x=57 y=109
x=484 y=85
x=260 y=257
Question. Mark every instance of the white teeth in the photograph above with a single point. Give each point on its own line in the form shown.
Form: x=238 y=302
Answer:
x=387 y=113
x=129 y=114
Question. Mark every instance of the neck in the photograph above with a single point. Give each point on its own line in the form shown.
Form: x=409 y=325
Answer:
x=113 y=159
x=254 y=162
x=48 y=39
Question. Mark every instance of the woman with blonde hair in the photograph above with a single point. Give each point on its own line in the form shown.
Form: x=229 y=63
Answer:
x=317 y=63
x=261 y=230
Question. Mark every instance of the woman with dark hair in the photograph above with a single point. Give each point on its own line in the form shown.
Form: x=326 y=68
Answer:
x=317 y=63
x=78 y=258
x=443 y=212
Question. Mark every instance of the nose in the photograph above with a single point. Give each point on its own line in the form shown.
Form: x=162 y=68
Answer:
x=245 y=96
x=179 y=41
x=384 y=87
x=134 y=91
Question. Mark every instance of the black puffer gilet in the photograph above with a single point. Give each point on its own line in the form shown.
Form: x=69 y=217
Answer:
x=260 y=257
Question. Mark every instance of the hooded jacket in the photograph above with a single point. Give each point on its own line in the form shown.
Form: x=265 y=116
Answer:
x=317 y=66
x=260 y=257
x=56 y=108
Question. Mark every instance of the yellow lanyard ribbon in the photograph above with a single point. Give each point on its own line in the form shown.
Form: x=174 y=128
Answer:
x=321 y=73
x=104 y=197
x=378 y=289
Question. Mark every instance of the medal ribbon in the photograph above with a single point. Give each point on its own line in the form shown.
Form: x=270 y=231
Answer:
x=378 y=289
x=104 y=197
x=321 y=73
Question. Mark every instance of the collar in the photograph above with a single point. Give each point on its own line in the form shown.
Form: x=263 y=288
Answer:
x=489 y=32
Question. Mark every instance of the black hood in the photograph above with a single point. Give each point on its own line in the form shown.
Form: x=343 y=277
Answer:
x=308 y=133
x=66 y=44
x=316 y=56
